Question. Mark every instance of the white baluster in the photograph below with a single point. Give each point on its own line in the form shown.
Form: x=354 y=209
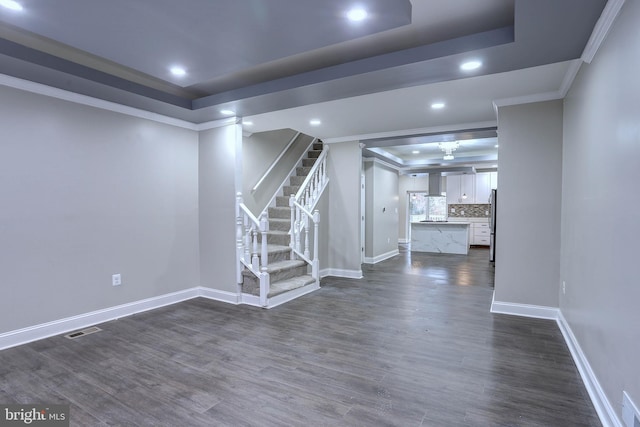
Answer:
x=298 y=229
x=247 y=239
x=316 y=264
x=306 y=236
x=254 y=254
x=264 y=227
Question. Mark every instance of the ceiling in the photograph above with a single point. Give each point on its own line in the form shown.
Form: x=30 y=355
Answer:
x=281 y=63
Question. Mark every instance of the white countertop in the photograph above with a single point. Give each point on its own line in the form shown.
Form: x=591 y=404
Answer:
x=439 y=223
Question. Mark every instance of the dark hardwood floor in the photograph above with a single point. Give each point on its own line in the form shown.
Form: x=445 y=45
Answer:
x=412 y=344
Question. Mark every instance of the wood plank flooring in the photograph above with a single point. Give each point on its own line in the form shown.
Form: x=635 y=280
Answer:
x=412 y=344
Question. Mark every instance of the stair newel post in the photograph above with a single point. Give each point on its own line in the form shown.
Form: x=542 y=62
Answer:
x=264 y=227
x=316 y=237
x=239 y=239
x=292 y=199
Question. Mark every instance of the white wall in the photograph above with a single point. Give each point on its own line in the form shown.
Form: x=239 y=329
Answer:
x=258 y=153
x=220 y=169
x=528 y=206
x=85 y=194
x=381 y=216
x=408 y=183
x=343 y=167
x=600 y=222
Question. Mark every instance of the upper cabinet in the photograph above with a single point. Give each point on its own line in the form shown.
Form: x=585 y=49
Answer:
x=471 y=188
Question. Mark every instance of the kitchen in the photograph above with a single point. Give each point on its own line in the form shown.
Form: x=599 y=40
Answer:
x=400 y=176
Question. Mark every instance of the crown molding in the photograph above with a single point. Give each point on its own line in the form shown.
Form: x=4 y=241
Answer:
x=601 y=29
x=406 y=132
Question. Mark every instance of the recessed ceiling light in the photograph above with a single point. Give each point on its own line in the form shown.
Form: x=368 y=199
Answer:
x=227 y=112
x=437 y=105
x=315 y=122
x=11 y=4
x=415 y=152
x=357 y=15
x=496 y=145
x=470 y=65
x=178 y=71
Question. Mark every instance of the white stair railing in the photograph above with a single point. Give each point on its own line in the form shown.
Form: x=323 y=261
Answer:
x=302 y=206
x=252 y=255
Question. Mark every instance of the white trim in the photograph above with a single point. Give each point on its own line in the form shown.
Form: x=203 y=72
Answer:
x=527 y=99
x=62 y=326
x=419 y=131
x=524 y=310
x=380 y=162
x=216 y=124
x=629 y=410
x=382 y=257
x=217 y=295
x=338 y=272
x=249 y=299
x=65 y=95
x=601 y=29
x=570 y=76
x=403 y=241
x=291 y=295
x=607 y=414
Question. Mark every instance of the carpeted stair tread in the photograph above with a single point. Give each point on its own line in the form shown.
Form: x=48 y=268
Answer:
x=283 y=286
x=285 y=265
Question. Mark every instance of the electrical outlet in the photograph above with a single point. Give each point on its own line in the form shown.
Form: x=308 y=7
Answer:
x=461 y=212
x=116 y=280
x=453 y=210
x=564 y=287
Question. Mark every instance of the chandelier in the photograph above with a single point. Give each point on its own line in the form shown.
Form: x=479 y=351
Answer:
x=448 y=147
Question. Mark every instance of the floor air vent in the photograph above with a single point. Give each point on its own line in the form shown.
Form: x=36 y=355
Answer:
x=78 y=334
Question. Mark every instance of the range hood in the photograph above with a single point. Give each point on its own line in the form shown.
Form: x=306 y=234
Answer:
x=435 y=184
x=435 y=177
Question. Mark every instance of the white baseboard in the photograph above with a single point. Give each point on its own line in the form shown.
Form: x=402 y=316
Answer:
x=525 y=310
x=337 y=272
x=62 y=326
x=607 y=414
x=380 y=258
x=215 y=294
x=249 y=299
x=291 y=295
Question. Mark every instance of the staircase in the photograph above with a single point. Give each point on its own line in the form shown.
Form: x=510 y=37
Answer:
x=288 y=272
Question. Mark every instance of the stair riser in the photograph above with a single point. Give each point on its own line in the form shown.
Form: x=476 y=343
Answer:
x=297 y=180
x=279 y=225
x=282 y=201
x=277 y=256
x=278 y=239
x=318 y=146
x=281 y=213
x=308 y=162
x=288 y=190
x=288 y=273
x=314 y=154
x=303 y=171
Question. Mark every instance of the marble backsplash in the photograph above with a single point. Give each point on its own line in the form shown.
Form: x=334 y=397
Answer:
x=470 y=210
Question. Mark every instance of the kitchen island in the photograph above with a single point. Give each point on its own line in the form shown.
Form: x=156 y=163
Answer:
x=440 y=237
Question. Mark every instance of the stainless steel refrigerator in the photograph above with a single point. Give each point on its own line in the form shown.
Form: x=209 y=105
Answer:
x=492 y=226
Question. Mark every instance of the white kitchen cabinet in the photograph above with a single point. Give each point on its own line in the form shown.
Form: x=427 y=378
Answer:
x=471 y=188
x=483 y=187
x=453 y=189
x=480 y=233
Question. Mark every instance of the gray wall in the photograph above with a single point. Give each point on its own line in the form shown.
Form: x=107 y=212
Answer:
x=529 y=200
x=220 y=169
x=85 y=194
x=258 y=153
x=408 y=183
x=381 y=216
x=600 y=224
x=344 y=166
